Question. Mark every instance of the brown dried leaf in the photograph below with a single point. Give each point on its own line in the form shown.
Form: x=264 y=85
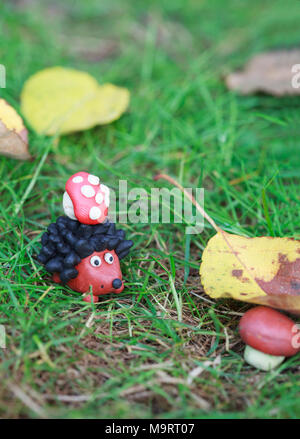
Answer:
x=268 y=72
x=13 y=134
x=91 y=49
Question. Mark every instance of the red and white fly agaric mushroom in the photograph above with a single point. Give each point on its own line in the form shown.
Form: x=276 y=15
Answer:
x=85 y=199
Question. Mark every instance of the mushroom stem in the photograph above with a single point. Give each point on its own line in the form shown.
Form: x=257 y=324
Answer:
x=261 y=361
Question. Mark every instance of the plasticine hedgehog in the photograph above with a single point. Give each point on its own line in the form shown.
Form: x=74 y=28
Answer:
x=83 y=249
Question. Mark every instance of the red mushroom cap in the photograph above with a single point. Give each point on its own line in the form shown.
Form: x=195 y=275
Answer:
x=270 y=331
x=86 y=199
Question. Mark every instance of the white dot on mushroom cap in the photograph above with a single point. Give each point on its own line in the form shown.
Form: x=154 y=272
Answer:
x=104 y=188
x=107 y=200
x=99 y=198
x=95 y=213
x=87 y=191
x=93 y=179
x=77 y=179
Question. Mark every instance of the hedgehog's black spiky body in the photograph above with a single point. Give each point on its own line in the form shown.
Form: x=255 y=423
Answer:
x=67 y=242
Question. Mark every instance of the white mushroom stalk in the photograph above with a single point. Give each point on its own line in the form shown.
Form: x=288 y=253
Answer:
x=68 y=206
x=262 y=361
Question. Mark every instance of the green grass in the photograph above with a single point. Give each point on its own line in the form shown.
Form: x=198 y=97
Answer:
x=132 y=355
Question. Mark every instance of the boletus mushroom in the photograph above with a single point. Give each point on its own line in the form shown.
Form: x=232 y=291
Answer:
x=270 y=336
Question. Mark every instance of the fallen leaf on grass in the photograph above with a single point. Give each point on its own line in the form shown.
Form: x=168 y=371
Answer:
x=58 y=100
x=287 y=303
x=268 y=72
x=89 y=48
x=13 y=134
x=262 y=270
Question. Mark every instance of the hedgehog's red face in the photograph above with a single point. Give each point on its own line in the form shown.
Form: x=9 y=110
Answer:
x=74 y=253
x=99 y=273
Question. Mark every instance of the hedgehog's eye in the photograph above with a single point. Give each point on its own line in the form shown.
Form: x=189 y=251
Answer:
x=95 y=261
x=109 y=258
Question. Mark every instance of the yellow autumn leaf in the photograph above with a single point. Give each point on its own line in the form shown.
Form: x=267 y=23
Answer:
x=262 y=270
x=13 y=134
x=10 y=117
x=284 y=302
x=116 y=102
x=59 y=100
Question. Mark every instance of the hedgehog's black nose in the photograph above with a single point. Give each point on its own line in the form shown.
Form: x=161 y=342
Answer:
x=117 y=283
